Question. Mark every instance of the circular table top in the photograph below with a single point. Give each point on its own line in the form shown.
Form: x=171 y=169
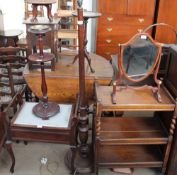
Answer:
x=10 y=33
x=41 y=1
x=44 y=58
x=39 y=29
x=88 y=14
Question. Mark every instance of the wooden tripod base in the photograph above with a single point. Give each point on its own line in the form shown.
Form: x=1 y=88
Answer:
x=46 y=110
x=80 y=165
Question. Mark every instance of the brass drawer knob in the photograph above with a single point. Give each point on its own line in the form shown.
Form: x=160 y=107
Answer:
x=110 y=18
x=109 y=29
x=141 y=20
x=140 y=30
x=108 y=41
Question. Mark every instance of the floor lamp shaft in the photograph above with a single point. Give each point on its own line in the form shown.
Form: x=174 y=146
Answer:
x=83 y=128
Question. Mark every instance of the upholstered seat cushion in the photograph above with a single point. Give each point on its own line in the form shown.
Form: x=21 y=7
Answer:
x=5 y=89
x=5 y=99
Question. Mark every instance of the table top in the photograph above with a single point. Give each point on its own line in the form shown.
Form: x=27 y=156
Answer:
x=89 y=14
x=39 y=29
x=42 y=21
x=11 y=33
x=41 y=1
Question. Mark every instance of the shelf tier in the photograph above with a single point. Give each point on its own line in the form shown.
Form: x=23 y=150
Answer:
x=132 y=99
x=44 y=58
x=132 y=130
x=130 y=156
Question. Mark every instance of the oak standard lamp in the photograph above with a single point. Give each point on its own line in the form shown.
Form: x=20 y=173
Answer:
x=82 y=157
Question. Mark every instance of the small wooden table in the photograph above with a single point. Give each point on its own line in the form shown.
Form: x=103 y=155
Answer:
x=51 y=39
x=10 y=37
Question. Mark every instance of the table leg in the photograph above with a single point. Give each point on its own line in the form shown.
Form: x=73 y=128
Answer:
x=34 y=6
x=49 y=13
x=8 y=146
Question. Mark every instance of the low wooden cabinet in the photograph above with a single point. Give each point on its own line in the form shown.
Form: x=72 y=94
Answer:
x=120 y=20
x=133 y=141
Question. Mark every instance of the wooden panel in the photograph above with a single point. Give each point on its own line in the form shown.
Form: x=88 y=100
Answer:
x=167 y=14
x=130 y=156
x=141 y=7
x=116 y=6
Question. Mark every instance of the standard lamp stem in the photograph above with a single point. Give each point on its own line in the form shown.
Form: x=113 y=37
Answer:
x=83 y=123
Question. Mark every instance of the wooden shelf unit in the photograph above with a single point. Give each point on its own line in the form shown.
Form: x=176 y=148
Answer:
x=133 y=141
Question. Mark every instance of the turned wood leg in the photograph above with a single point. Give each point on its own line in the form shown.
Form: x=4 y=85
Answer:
x=8 y=146
x=75 y=58
x=89 y=61
x=96 y=170
x=34 y=6
x=49 y=13
x=73 y=152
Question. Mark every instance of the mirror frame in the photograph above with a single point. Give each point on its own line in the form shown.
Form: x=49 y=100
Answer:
x=121 y=58
x=153 y=70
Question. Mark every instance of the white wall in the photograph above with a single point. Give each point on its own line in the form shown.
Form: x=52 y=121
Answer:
x=13 y=12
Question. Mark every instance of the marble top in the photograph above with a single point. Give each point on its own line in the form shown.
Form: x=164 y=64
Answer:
x=27 y=118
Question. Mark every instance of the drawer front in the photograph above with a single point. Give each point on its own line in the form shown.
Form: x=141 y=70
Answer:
x=111 y=20
x=118 y=34
x=106 y=51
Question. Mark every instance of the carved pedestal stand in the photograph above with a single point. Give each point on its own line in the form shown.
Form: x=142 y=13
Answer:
x=44 y=109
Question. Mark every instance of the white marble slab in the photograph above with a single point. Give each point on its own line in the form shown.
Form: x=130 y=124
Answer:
x=26 y=117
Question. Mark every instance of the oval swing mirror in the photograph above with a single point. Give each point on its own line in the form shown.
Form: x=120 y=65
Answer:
x=139 y=57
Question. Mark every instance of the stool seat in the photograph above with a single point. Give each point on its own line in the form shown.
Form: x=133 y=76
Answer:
x=41 y=1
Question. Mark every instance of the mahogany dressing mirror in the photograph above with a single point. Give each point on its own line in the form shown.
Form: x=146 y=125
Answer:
x=137 y=60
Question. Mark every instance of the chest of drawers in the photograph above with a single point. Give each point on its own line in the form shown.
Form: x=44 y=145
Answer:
x=120 y=20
